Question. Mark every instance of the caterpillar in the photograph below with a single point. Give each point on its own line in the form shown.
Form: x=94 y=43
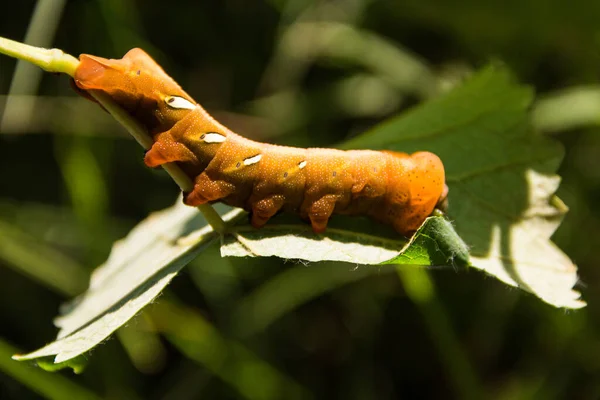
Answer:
x=391 y=187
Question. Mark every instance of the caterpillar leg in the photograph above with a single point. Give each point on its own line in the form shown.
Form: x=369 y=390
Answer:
x=165 y=150
x=264 y=209
x=207 y=190
x=320 y=211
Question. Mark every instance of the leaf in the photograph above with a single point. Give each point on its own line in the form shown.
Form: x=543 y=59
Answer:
x=502 y=178
x=137 y=270
x=298 y=242
x=435 y=243
x=77 y=364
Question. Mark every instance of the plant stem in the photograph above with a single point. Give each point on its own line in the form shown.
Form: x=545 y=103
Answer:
x=55 y=60
x=139 y=133
x=141 y=136
x=51 y=60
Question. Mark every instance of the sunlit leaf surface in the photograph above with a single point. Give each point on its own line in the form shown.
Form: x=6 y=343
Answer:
x=138 y=269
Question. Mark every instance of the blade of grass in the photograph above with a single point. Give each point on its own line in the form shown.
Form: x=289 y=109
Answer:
x=46 y=265
x=26 y=78
x=85 y=183
x=573 y=108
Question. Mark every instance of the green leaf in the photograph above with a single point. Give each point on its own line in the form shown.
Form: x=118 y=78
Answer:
x=435 y=243
x=77 y=364
x=137 y=270
x=502 y=179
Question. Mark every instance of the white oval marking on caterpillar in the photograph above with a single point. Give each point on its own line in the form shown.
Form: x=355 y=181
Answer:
x=302 y=164
x=253 y=159
x=213 y=137
x=179 y=103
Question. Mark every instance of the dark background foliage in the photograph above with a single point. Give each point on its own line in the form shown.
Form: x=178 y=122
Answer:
x=72 y=182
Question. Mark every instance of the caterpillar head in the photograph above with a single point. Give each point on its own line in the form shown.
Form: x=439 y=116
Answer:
x=137 y=84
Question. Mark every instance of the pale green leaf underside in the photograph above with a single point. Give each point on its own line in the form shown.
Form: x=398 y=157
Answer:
x=298 y=242
x=138 y=269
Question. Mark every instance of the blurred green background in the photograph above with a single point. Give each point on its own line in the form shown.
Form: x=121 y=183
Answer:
x=305 y=73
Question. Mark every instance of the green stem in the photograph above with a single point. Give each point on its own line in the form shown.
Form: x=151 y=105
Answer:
x=55 y=60
x=141 y=136
x=213 y=218
x=51 y=60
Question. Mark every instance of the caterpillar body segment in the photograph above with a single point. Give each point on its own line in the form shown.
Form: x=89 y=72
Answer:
x=391 y=187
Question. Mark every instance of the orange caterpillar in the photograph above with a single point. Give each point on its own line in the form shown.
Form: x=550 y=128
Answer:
x=391 y=187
